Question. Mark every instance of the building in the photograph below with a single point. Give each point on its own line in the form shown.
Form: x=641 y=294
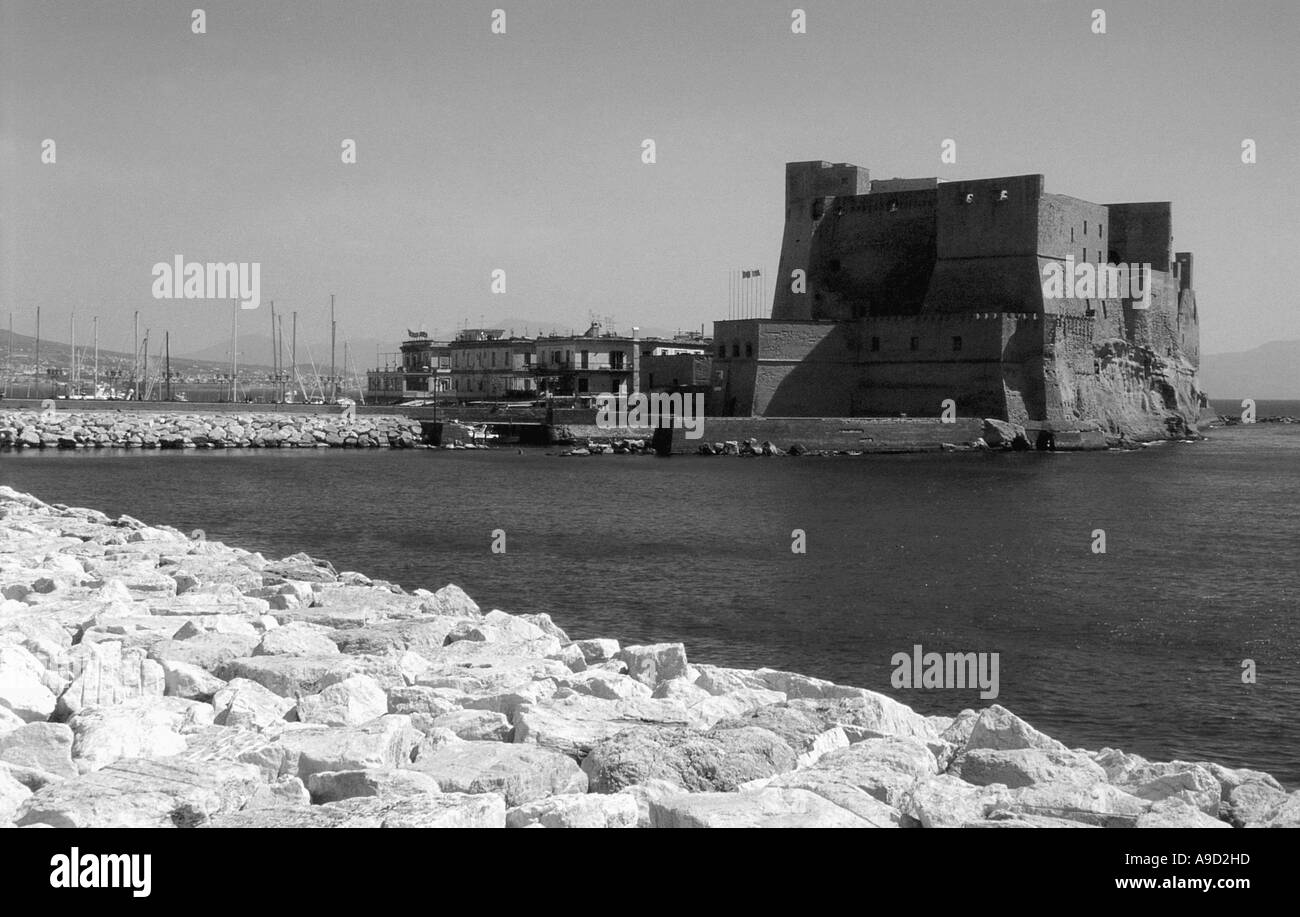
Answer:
x=488 y=366
x=682 y=364
x=594 y=362
x=422 y=370
x=897 y=297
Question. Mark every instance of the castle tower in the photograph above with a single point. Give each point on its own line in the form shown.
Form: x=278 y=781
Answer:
x=808 y=188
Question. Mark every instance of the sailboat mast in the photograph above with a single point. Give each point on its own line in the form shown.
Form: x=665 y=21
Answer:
x=95 y=323
x=333 y=392
x=167 y=341
x=38 y=351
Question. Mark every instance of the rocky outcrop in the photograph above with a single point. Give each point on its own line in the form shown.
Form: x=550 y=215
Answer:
x=148 y=678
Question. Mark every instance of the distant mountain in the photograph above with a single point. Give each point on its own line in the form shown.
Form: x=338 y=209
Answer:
x=256 y=349
x=1271 y=371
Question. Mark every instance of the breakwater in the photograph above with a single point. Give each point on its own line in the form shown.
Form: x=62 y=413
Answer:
x=75 y=429
x=150 y=677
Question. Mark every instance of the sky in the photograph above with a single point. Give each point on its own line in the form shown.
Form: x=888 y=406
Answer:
x=523 y=151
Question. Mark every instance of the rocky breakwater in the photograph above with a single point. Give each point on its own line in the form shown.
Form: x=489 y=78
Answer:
x=150 y=430
x=151 y=679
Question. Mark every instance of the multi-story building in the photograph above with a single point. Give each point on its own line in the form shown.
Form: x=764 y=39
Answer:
x=594 y=362
x=487 y=365
x=423 y=370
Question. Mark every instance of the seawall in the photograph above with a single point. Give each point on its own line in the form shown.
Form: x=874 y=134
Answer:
x=77 y=429
x=154 y=678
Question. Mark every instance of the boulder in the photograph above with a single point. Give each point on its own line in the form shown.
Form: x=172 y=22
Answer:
x=44 y=746
x=581 y=810
x=23 y=694
x=450 y=600
x=354 y=700
x=247 y=704
x=946 y=801
x=143 y=727
x=598 y=650
x=296 y=639
x=442 y=810
x=1019 y=767
x=1100 y=804
x=286 y=791
x=997 y=728
x=230 y=745
x=1247 y=804
x=777 y=807
x=387 y=782
x=1174 y=812
x=388 y=741
x=158 y=793
x=655 y=663
x=720 y=759
x=187 y=680
x=209 y=651
x=883 y=769
x=521 y=773
x=14 y=794
x=110 y=675
x=475 y=725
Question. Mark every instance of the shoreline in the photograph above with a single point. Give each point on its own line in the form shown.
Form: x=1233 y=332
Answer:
x=150 y=677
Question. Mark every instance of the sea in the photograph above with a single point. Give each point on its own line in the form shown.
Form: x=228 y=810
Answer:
x=1180 y=641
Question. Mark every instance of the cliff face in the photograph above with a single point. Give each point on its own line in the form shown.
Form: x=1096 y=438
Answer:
x=1129 y=391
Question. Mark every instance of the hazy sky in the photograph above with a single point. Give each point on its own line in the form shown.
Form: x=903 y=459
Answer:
x=523 y=151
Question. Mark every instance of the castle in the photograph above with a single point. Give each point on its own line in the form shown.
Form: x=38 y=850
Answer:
x=906 y=297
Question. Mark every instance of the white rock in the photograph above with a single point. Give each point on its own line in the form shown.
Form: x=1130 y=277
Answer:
x=355 y=700
x=586 y=810
x=246 y=703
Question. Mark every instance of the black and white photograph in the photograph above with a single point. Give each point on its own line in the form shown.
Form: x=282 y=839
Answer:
x=649 y=414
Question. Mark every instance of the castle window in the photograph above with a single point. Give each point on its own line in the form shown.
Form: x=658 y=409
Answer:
x=956 y=343
x=749 y=350
x=1085 y=227
x=1071 y=233
x=915 y=344
x=1098 y=230
x=875 y=344
x=722 y=351
x=735 y=349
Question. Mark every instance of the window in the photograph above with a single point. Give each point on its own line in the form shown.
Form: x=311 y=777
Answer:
x=1085 y=227
x=735 y=348
x=528 y=359
x=956 y=343
x=915 y=343
x=722 y=351
x=651 y=381
x=616 y=359
x=494 y=358
x=875 y=344
x=582 y=383
x=585 y=354
x=555 y=357
x=749 y=351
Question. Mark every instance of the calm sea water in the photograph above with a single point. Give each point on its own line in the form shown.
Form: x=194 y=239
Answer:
x=1139 y=648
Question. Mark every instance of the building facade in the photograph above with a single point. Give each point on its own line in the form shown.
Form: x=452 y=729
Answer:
x=486 y=365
